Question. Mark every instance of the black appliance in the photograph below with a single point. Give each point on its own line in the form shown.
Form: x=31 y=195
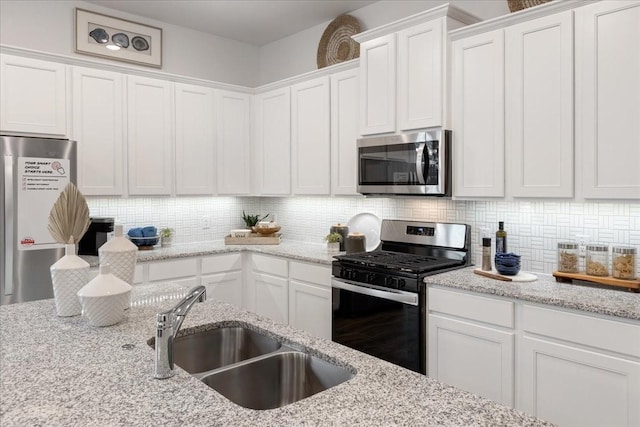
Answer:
x=416 y=163
x=379 y=298
x=96 y=236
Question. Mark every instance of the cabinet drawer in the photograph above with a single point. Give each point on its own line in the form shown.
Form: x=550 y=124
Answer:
x=268 y=264
x=219 y=263
x=171 y=269
x=472 y=307
x=605 y=334
x=310 y=273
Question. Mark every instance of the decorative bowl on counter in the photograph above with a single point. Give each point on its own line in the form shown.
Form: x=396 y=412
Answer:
x=266 y=231
x=145 y=243
x=507 y=263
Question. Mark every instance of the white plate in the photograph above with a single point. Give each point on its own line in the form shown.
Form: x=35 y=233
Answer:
x=369 y=225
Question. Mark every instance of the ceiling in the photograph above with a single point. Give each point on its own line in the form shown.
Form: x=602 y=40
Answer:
x=257 y=22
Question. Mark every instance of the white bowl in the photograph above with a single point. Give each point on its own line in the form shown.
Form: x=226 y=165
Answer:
x=241 y=232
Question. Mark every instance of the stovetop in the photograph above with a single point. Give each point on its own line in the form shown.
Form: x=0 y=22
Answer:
x=398 y=261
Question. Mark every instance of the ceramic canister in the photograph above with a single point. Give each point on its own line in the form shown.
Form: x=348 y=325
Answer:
x=68 y=275
x=342 y=230
x=356 y=242
x=121 y=254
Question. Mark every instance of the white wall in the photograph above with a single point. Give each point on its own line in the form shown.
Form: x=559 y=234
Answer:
x=296 y=54
x=49 y=26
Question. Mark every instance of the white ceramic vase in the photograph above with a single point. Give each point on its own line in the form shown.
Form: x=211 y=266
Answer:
x=68 y=275
x=105 y=298
x=333 y=246
x=120 y=254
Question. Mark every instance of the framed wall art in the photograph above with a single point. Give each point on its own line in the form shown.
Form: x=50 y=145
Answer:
x=118 y=39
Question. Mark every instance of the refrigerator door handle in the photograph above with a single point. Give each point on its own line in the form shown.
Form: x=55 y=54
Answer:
x=8 y=227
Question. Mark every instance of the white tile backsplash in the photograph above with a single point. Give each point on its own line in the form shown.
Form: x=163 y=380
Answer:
x=533 y=227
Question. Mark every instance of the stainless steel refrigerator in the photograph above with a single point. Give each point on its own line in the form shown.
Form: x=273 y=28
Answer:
x=34 y=172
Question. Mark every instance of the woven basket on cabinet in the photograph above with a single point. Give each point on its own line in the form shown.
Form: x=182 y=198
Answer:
x=516 y=5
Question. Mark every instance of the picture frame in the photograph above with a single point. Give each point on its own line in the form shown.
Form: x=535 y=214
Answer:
x=118 y=39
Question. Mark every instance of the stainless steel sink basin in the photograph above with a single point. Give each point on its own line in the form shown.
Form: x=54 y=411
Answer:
x=212 y=349
x=276 y=380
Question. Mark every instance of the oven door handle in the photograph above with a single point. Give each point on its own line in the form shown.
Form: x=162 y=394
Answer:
x=398 y=296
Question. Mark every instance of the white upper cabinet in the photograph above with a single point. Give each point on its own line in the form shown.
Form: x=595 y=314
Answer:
x=478 y=115
x=539 y=107
x=608 y=99
x=98 y=128
x=272 y=141
x=344 y=132
x=420 y=68
x=195 y=140
x=310 y=134
x=233 y=110
x=403 y=67
x=33 y=96
x=150 y=136
x=378 y=85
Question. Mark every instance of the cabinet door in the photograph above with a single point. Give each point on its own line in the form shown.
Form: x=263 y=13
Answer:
x=224 y=287
x=539 y=106
x=344 y=132
x=310 y=308
x=608 y=98
x=150 y=136
x=272 y=297
x=420 y=65
x=272 y=142
x=233 y=125
x=574 y=387
x=98 y=126
x=311 y=141
x=33 y=96
x=472 y=357
x=195 y=140
x=378 y=85
x=478 y=115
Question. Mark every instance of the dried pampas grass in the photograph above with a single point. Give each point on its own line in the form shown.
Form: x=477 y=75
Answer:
x=69 y=216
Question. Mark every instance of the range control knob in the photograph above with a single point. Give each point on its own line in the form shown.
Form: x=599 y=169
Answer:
x=388 y=281
x=371 y=277
x=401 y=284
x=353 y=275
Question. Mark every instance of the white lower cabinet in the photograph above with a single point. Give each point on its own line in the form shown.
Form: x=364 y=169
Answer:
x=566 y=367
x=310 y=298
x=222 y=276
x=475 y=353
x=272 y=297
x=184 y=272
x=577 y=370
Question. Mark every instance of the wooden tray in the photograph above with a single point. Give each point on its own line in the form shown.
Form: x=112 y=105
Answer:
x=254 y=239
x=630 y=285
x=520 y=277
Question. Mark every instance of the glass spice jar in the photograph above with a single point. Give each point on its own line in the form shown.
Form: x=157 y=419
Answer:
x=597 y=260
x=623 y=262
x=568 y=257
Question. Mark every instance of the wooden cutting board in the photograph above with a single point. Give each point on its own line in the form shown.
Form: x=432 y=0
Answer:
x=520 y=277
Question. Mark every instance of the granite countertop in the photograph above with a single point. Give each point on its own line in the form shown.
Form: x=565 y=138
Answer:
x=545 y=290
x=60 y=371
x=296 y=250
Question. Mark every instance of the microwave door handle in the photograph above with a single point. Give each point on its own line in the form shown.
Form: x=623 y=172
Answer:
x=420 y=163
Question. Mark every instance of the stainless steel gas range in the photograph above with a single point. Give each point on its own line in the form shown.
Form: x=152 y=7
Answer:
x=379 y=298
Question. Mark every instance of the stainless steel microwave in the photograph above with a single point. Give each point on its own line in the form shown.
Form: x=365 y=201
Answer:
x=408 y=164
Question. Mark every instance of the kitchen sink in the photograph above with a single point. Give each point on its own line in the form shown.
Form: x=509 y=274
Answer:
x=212 y=349
x=276 y=380
x=252 y=369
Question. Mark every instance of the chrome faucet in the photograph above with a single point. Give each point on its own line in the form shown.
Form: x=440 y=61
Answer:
x=167 y=326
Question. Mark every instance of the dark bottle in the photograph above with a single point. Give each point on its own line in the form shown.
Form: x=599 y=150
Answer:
x=501 y=239
x=486 y=253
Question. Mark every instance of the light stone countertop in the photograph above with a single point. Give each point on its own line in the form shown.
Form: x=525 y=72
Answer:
x=545 y=290
x=62 y=372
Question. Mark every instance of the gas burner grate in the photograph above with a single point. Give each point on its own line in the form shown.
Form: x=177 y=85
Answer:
x=399 y=261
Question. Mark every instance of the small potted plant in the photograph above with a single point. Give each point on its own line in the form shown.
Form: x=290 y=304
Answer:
x=166 y=234
x=252 y=220
x=333 y=242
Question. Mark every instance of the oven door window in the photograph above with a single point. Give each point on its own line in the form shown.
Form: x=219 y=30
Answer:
x=385 y=329
x=399 y=164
